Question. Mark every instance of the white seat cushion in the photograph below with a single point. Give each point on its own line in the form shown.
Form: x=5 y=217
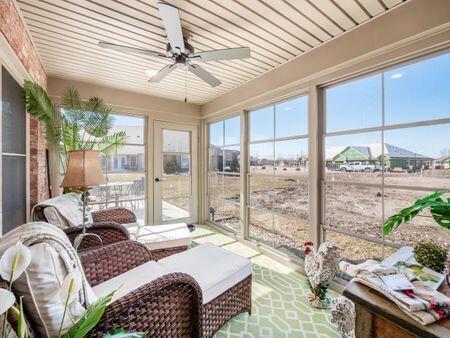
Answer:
x=164 y=236
x=130 y=280
x=53 y=217
x=215 y=269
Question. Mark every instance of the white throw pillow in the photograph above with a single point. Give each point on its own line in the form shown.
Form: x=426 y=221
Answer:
x=40 y=286
x=53 y=217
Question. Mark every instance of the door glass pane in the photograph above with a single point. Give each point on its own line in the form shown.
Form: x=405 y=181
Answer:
x=215 y=158
x=175 y=141
x=418 y=92
x=176 y=164
x=291 y=117
x=354 y=105
x=261 y=124
x=176 y=186
x=176 y=207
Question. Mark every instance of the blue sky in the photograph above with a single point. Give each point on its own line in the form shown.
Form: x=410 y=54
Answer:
x=122 y=120
x=415 y=92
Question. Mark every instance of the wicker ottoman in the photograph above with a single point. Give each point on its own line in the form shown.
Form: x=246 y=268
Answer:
x=225 y=279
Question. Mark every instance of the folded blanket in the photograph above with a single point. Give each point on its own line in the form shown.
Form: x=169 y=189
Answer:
x=68 y=206
x=422 y=304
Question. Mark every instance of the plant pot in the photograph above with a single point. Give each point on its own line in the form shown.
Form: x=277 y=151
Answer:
x=319 y=303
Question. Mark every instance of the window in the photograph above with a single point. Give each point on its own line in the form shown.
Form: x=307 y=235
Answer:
x=224 y=178
x=125 y=171
x=387 y=144
x=278 y=175
x=14 y=155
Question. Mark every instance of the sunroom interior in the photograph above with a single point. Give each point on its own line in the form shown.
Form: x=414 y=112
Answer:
x=337 y=120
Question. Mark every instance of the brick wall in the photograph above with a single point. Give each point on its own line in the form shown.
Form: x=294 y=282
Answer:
x=13 y=29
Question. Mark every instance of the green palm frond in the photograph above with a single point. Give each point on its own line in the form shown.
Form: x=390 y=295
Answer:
x=72 y=105
x=38 y=104
x=110 y=144
x=438 y=207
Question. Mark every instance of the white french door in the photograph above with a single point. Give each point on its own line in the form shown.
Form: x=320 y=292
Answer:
x=175 y=173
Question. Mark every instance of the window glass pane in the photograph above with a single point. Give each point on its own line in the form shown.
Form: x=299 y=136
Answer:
x=261 y=191
x=289 y=235
x=176 y=164
x=354 y=208
x=356 y=250
x=418 y=157
x=355 y=157
x=261 y=124
x=291 y=197
x=176 y=141
x=225 y=214
x=422 y=226
x=120 y=186
x=354 y=105
x=233 y=130
x=225 y=186
x=291 y=157
x=13 y=116
x=291 y=117
x=261 y=158
x=132 y=126
x=419 y=91
x=126 y=159
x=215 y=158
x=14 y=202
x=232 y=161
x=216 y=134
x=261 y=226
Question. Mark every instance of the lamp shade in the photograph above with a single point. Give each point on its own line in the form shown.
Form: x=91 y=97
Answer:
x=84 y=170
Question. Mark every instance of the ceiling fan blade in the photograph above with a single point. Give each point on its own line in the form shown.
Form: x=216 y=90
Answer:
x=163 y=73
x=132 y=50
x=223 y=54
x=203 y=74
x=171 y=20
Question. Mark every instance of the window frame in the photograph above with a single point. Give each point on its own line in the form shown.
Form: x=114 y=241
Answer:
x=323 y=134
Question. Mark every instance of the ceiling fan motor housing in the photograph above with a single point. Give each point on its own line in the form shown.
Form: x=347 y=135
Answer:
x=189 y=50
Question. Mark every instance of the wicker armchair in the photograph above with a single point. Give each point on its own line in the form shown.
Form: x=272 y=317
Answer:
x=169 y=306
x=107 y=225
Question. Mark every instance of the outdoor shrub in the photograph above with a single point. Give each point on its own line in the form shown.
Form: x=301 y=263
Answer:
x=431 y=255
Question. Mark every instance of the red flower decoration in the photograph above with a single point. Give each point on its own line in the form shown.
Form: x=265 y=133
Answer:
x=308 y=244
x=307 y=250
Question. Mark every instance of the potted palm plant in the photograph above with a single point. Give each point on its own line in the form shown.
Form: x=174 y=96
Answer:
x=77 y=125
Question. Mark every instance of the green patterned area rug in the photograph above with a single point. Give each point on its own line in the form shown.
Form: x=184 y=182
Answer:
x=279 y=306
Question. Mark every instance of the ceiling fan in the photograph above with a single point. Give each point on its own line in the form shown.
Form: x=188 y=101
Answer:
x=180 y=50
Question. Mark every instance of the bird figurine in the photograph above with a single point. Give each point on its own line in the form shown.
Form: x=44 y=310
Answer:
x=321 y=267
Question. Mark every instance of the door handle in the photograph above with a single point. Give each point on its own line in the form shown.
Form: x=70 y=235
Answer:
x=158 y=179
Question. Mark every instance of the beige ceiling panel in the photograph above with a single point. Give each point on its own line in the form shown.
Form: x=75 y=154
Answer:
x=352 y=8
x=67 y=32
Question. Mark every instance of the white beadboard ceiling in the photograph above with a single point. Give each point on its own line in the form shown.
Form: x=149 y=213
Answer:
x=66 y=34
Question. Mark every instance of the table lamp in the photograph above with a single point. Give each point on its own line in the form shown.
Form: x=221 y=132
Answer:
x=83 y=171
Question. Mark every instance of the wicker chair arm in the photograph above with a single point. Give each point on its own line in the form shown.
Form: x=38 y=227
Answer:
x=119 y=215
x=106 y=262
x=109 y=232
x=169 y=306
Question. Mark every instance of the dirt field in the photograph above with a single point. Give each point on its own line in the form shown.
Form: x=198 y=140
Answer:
x=358 y=209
